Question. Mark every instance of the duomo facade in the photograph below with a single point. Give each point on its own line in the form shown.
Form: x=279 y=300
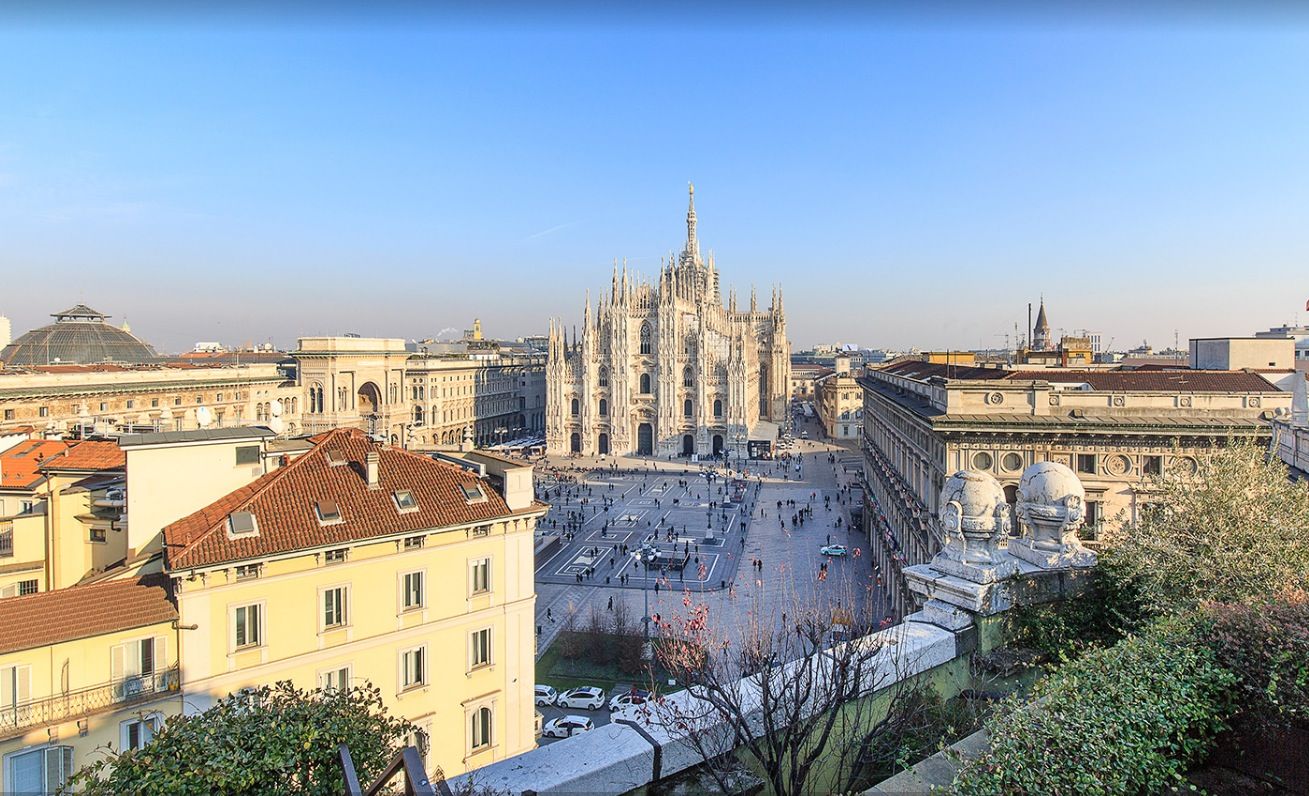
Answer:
x=666 y=368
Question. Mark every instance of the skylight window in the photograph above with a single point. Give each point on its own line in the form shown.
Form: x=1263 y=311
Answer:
x=328 y=512
x=472 y=493
x=404 y=500
x=336 y=458
x=242 y=523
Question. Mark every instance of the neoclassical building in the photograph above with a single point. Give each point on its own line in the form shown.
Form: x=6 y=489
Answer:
x=667 y=368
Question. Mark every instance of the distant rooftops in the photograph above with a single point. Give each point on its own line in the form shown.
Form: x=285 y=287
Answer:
x=89 y=456
x=1151 y=380
x=19 y=466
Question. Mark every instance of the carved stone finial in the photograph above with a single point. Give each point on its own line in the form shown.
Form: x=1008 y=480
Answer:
x=974 y=522
x=1051 y=510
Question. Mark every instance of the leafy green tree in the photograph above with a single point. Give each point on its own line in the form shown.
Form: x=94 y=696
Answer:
x=271 y=740
x=1237 y=531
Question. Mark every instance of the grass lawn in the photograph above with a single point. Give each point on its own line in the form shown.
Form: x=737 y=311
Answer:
x=562 y=673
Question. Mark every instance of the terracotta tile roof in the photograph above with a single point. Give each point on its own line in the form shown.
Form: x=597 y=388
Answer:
x=18 y=465
x=89 y=455
x=77 y=612
x=283 y=501
x=1154 y=380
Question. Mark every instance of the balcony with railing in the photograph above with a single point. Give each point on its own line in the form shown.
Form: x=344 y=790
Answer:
x=6 y=539
x=20 y=717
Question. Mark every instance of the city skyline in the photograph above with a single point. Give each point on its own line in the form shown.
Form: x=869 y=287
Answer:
x=378 y=179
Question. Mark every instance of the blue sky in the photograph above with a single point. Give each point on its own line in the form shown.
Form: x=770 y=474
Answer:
x=909 y=181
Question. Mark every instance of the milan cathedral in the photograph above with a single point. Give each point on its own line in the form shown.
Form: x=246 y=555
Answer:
x=666 y=368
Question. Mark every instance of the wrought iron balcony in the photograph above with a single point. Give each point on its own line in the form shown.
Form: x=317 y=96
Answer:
x=6 y=539
x=18 y=718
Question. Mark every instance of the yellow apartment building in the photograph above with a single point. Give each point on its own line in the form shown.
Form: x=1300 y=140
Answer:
x=80 y=668
x=69 y=520
x=360 y=562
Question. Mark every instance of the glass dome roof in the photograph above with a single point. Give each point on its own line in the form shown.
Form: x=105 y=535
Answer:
x=79 y=336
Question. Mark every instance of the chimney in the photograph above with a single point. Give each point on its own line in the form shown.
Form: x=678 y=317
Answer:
x=371 y=461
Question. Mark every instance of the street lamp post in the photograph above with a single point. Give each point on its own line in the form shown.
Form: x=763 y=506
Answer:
x=645 y=554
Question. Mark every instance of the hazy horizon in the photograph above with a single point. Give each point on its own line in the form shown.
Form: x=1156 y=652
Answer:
x=909 y=181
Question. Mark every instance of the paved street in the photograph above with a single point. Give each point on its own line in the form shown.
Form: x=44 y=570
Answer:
x=641 y=506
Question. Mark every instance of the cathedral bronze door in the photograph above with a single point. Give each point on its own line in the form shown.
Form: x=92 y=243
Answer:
x=718 y=444
x=575 y=443
x=645 y=440
x=604 y=444
x=688 y=445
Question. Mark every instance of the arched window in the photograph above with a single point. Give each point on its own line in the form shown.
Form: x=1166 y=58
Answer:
x=482 y=728
x=645 y=383
x=645 y=339
x=688 y=377
x=418 y=415
x=604 y=377
x=576 y=407
x=718 y=408
x=686 y=407
x=604 y=408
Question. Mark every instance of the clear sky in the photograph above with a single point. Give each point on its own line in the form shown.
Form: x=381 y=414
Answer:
x=909 y=179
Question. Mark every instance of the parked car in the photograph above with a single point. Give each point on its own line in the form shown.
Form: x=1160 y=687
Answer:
x=566 y=726
x=833 y=550
x=634 y=697
x=545 y=695
x=588 y=697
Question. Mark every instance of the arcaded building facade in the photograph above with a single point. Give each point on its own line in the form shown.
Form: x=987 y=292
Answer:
x=666 y=368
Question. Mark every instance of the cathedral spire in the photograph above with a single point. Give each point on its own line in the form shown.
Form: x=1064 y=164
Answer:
x=754 y=301
x=692 y=247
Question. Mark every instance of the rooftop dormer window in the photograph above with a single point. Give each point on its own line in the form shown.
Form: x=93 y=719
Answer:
x=328 y=512
x=472 y=493
x=404 y=500
x=242 y=523
x=336 y=458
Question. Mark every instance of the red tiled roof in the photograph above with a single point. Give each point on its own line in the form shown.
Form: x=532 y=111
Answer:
x=83 y=611
x=1154 y=380
x=89 y=455
x=18 y=465
x=282 y=502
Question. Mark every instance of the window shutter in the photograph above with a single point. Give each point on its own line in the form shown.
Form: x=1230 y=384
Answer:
x=161 y=660
x=9 y=591
x=8 y=682
x=23 y=691
x=117 y=660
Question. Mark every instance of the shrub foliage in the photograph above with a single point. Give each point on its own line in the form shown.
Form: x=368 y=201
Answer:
x=1126 y=719
x=1267 y=648
x=271 y=740
x=1234 y=532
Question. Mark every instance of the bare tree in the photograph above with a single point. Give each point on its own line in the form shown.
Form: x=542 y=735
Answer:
x=790 y=688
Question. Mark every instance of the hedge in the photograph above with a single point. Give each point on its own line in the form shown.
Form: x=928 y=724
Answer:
x=1130 y=718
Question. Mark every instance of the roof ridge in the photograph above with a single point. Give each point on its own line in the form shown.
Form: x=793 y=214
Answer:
x=270 y=478
x=432 y=460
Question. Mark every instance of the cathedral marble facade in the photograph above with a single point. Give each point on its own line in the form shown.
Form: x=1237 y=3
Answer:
x=667 y=368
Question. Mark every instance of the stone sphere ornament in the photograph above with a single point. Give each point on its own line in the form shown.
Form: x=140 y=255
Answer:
x=1051 y=510
x=974 y=521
